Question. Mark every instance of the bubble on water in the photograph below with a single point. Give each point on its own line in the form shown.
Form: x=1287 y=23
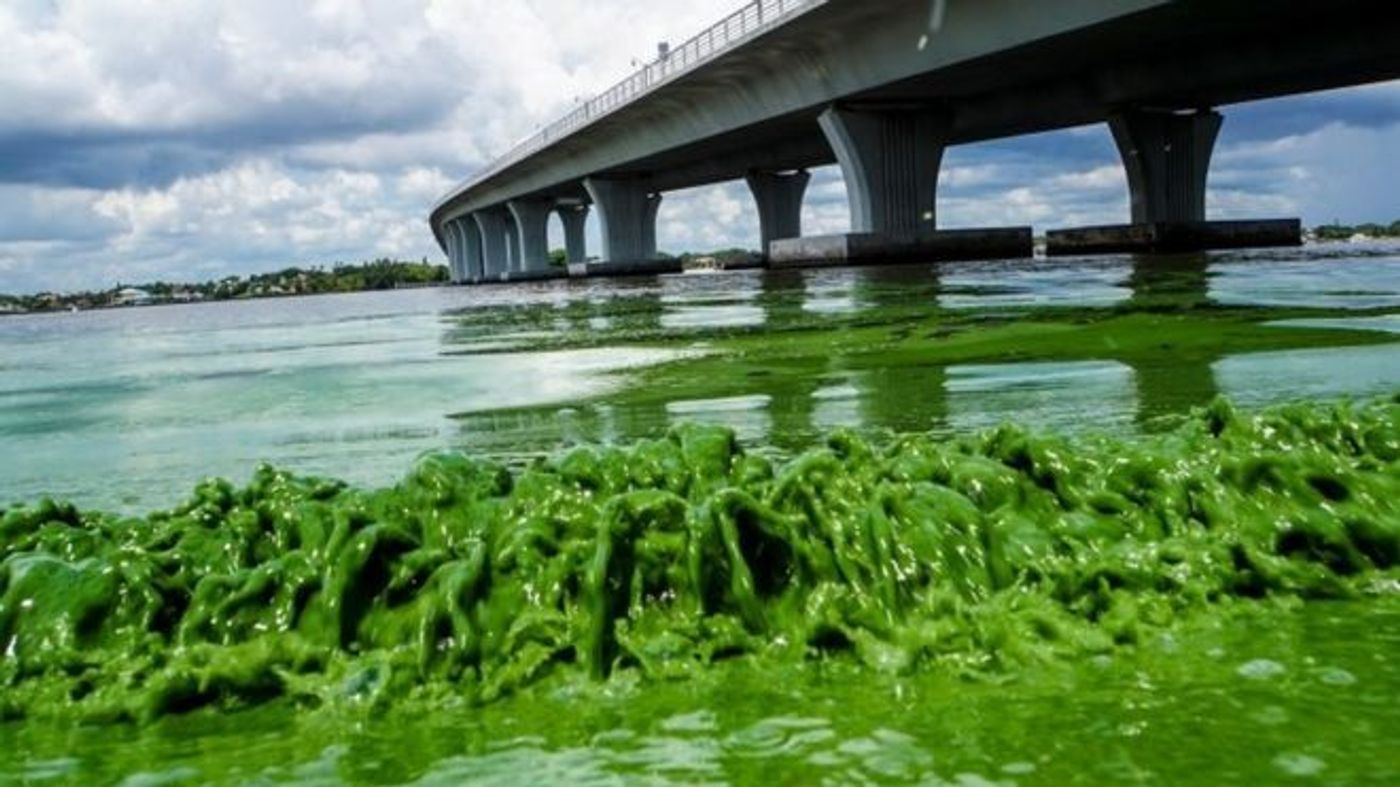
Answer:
x=1295 y=764
x=1336 y=676
x=1272 y=716
x=182 y=775
x=975 y=780
x=1261 y=669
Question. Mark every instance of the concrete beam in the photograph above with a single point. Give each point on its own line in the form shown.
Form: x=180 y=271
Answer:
x=627 y=210
x=1167 y=157
x=575 y=220
x=779 y=199
x=889 y=158
x=532 y=220
x=495 y=225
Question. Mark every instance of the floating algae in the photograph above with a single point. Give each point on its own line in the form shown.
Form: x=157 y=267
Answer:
x=466 y=581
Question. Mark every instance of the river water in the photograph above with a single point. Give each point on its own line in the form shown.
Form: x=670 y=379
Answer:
x=128 y=409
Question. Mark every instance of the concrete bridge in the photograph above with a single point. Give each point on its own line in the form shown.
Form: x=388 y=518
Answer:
x=882 y=88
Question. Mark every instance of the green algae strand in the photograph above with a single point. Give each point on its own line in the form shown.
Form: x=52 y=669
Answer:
x=469 y=581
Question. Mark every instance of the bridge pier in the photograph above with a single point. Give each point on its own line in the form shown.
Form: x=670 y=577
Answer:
x=496 y=237
x=512 y=244
x=532 y=250
x=453 y=242
x=890 y=158
x=779 y=199
x=627 y=209
x=464 y=250
x=1166 y=155
x=575 y=220
x=473 y=263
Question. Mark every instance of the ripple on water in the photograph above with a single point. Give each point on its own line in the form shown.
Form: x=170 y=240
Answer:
x=779 y=736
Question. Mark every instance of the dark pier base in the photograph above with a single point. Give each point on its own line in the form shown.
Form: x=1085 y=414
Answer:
x=542 y=275
x=942 y=245
x=1175 y=237
x=634 y=268
x=516 y=277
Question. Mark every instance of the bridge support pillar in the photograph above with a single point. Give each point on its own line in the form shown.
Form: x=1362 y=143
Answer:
x=889 y=159
x=627 y=209
x=653 y=208
x=512 y=244
x=473 y=263
x=1166 y=155
x=452 y=239
x=532 y=252
x=495 y=225
x=779 y=198
x=575 y=220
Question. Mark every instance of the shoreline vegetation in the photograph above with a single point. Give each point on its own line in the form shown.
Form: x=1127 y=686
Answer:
x=466 y=582
x=388 y=274
x=380 y=274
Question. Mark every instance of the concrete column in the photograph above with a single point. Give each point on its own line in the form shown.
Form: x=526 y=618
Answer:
x=1167 y=156
x=575 y=219
x=779 y=199
x=513 y=244
x=494 y=224
x=890 y=160
x=473 y=261
x=532 y=223
x=627 y=210
x=649 y=226
x=452 y=239
x=467 y=231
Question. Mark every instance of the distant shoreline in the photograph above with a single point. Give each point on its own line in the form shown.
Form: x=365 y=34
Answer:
x=376 y=276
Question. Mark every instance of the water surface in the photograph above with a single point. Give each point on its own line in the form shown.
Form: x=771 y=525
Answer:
x=130 y=408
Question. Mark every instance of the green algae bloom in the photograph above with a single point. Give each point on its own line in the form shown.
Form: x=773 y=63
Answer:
x=466 y=581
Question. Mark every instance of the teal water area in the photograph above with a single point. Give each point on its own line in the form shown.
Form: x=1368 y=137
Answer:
x=128 y=409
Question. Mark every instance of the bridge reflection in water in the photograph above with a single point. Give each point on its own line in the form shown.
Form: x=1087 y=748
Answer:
x=790 y=402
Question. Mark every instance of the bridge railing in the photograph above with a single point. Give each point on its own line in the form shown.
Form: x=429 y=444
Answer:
x=731 y=32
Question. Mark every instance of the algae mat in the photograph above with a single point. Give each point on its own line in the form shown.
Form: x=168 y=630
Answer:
x=990 y=568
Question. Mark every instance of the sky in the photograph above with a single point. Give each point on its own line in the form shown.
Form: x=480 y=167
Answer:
x=187 y=140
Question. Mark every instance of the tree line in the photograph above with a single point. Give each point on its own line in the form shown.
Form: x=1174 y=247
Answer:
x=379 y=274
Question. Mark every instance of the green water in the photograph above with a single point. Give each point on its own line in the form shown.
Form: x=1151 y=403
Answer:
x=1308 y=698
x=965 y=655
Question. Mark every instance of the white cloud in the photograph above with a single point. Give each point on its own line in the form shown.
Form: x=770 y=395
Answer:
x=181 y=140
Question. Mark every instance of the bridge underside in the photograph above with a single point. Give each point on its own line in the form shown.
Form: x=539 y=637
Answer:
x=853 y=83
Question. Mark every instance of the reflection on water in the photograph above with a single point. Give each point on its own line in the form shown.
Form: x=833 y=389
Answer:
x=1058 y=396
x=1263 y=378
x=130 y=408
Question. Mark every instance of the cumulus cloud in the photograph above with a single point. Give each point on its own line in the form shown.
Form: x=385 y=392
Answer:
x=200 y=138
